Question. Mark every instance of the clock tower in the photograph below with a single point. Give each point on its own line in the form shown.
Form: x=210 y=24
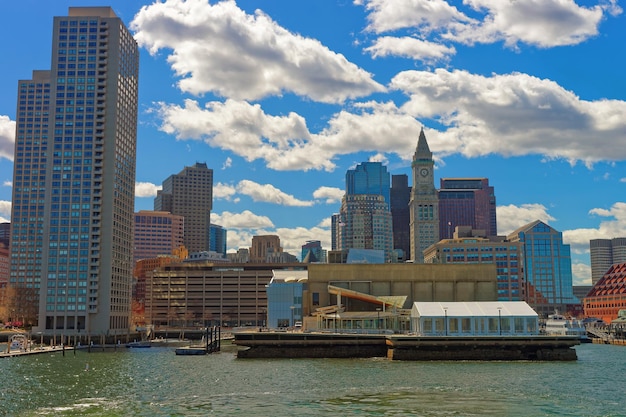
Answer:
x=424 y=202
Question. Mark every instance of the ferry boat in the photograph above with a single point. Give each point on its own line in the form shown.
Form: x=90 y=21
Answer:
x=559 y=325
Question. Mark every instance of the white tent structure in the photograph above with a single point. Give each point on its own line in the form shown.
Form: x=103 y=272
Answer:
x=476 y=318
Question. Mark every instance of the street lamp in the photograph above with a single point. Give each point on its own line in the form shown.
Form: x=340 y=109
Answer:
x=500 y=320
x=445 y=319
x=378 y=318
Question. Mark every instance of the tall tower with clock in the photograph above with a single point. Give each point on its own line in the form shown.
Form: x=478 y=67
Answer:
x=424 y=202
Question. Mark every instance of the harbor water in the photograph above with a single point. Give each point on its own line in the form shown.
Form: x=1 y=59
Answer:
x=156 y=382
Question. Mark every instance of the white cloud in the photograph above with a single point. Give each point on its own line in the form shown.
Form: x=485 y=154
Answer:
x=379 y=157
x=219 y=48
x=512 y=115
x=614 y=226
x=408 y=47
x=332 y=195
x=326 y=224
x=426 y=15
x=244 y=220
x=8 y=183
x=223 y=191
x=5 y=211
x=7 y=137
x=292 y=240
x=267 y=193
x=146 y=189
x=542 y=23
x=581 y=274
x=227 y=163
x=285 y=142
x=511 y=217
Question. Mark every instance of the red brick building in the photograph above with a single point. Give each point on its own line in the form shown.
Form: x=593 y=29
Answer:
x=608 y=295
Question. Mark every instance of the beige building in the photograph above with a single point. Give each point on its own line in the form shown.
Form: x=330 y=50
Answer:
x=200 y=294
x=190 y=194
x=418 y=282
x=264 y=246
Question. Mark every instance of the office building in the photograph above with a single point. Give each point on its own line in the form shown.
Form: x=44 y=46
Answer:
x=74 y=177
x=5 y=233
x=423 y=204
x=157 y=233
x=604 y=253
x=190 y=194
x=365 y=219
x=466 y=202
x=468 y=247
x=312 y=252
x=548 y=268
x=400 y=215
x=369 y=178
x=218 y=239
x=4 y=265
x=264 y=246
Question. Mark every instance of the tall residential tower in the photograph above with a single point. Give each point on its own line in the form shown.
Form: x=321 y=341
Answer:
x=74 y=176
x=190 y=194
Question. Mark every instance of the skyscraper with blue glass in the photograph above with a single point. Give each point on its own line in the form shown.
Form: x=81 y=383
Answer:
x=548 y=268
x=365 y=217
x=74 y=176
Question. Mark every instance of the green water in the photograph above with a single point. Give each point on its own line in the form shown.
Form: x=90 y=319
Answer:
x=156 y=382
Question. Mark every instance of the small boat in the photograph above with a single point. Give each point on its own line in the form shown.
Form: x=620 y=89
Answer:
x=141 y=344
x=191 y=350
x=559 y=325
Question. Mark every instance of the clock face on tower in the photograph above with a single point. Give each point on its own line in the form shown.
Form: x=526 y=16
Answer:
x=424 y=172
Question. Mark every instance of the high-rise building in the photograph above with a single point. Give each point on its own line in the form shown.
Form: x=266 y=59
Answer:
x=365 y=219
x=312 y=252
x=368 y=178
x=400 y=214
x=466 y=202
x=335 y=224
x=547 y=267
x=218 y=239
x=157 y=233
x=468 y=246
x=604 y=253
x=75 y=157
x=264 y=246
x=5 y=233
x=29 y=185
x=190 y=194
x=423 y=205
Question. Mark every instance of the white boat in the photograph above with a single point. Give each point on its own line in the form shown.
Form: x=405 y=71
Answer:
x=559 y=325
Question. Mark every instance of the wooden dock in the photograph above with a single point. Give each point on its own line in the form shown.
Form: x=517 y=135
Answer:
x=213 y=340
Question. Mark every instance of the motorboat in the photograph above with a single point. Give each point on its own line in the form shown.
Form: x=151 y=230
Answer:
x=559 y=325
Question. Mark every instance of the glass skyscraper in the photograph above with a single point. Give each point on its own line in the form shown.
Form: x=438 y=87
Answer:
x=547 y=267
x=74 y=177
x=365 y=218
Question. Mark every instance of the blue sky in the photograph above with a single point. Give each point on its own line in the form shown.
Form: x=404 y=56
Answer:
x=281 y=97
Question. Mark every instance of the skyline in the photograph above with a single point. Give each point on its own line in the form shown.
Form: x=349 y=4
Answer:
x=528 y=97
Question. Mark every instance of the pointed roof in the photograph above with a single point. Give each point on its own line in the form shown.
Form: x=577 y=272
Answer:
x=422 y=151
x=310 y=258
x=612 y=283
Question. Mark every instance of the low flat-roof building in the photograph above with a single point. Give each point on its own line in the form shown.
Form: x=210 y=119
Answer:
x=417 y=282
x=493 y=318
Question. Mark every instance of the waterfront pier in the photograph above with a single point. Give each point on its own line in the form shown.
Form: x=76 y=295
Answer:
x=403 y=347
